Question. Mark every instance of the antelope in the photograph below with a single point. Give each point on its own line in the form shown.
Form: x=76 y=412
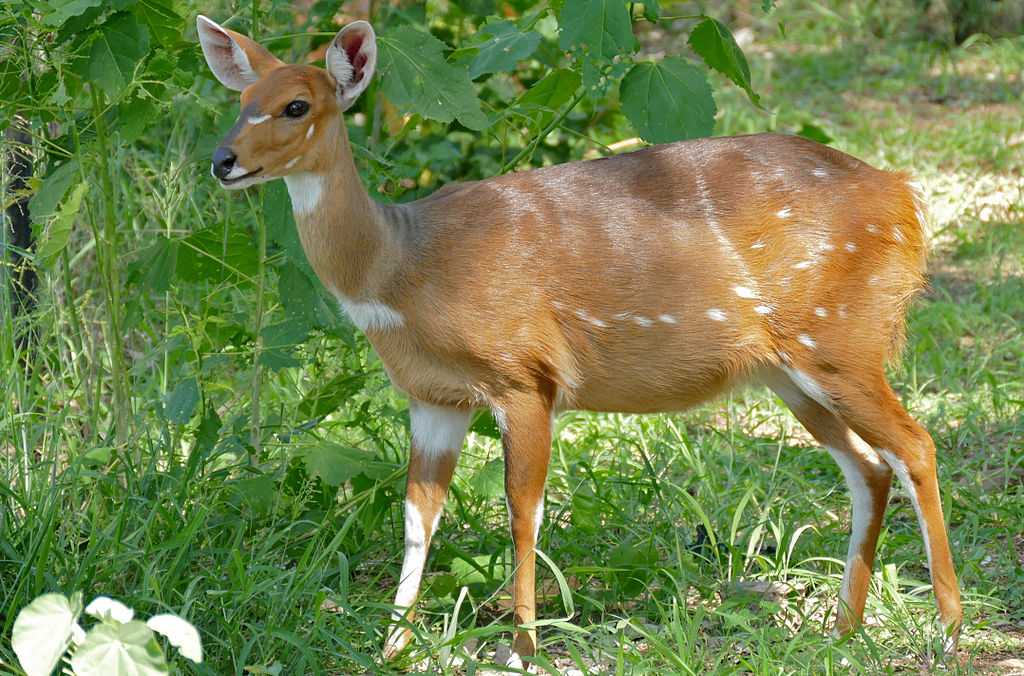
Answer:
x=641 y=282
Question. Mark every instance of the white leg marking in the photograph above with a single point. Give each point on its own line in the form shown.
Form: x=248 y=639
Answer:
x=414 y=561
x=305 y=190
x=538 y=519
x=258 y=119
x=437 y=430
x=806 y=384
x=900 y=468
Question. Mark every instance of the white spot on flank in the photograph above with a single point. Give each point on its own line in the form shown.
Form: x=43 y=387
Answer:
x=668 y=319
x=872 y=228
x=851 y=247
x=762 y=309
x=582 y=314
x=305 y=190
x=309 y=132
x=804 y=339
x=437 y=430
x=821 y=312
x=803 y=265
x=896 y=234
x=842 y=311
x=874 y=279
x=292 y=162
x=716 y=315
x=784 y=213
x=258 y=119
x=757 y=245
x=819 y=173
x=622 y=316
x=642 y=321
x=743 y=292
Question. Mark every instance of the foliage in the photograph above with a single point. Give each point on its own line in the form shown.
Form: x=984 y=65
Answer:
x=197 y=428
x=117 y=644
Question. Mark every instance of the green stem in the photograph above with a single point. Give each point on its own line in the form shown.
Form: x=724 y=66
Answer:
x=106 y=250
x=532 y=146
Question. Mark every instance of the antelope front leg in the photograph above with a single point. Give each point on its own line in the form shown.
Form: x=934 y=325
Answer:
x=437 y=437
x=526 y=437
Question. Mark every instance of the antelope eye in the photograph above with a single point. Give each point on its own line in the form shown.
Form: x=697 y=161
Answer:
x=296 y=109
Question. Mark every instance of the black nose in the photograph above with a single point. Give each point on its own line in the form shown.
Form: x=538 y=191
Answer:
x=223 y=162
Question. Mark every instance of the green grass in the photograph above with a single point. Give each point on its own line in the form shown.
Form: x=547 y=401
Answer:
x=664 y=529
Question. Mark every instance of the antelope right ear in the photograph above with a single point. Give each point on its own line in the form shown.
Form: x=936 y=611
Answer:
x=236 y=60
x=351 y=59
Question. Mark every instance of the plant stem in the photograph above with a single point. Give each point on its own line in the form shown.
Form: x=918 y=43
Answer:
x=532 y=146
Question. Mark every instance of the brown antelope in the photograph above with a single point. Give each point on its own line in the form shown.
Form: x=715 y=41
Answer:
x=642 y=282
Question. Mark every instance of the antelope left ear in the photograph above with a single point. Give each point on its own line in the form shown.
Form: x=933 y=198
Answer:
x=236 y=60
x=351 y=59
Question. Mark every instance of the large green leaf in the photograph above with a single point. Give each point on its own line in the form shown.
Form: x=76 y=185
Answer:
x=216 y=255
x=716 y=45
x=334 y=463
x=668 y=101
x=601 y=28
x=60 y=229
x=417 y=77
x=503 y=44
x=163 y=22
x=182 y=402
x=42 y=632
x=129 y=648
x=118 y=45
x=53 y=188
x=65 y=9
x=542 y=100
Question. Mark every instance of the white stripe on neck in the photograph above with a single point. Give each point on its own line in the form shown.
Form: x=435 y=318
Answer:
x=305 y=189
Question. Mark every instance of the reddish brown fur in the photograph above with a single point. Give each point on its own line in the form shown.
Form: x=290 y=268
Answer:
x=643 y=282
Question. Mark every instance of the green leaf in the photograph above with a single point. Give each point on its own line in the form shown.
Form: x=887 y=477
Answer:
x=181 y=634
x=60 y=229
x=52 y=190
x=119 y=44
x=600 y=28
x=668 y=101
x=280 y=342
x=716 y=45
x=304 y=300
x=489 y=480
x=767 y=5
x=334 y=463
x=815 y=133
x=484 y=424
x=163 y=22
x=156 y=264
x=42 y=632
x=183 y=401
x=216 y=255
x=106 y=609
x=129 y=648
x=417 y=77
x=652 y=11
x=134 y=116
x=504 y=47
x=328 y=397
x=552 y=92
x=65 y=9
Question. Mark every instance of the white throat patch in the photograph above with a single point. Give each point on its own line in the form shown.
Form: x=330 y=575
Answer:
x=305 y=189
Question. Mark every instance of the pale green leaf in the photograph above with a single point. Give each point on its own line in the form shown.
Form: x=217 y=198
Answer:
x=42 y=632
x=60 y=228
x=668 y=101
x=65 y=9
x=114 y=649
x=109 y=610
x=334 y=463
x=417 y=78
x=181 y=634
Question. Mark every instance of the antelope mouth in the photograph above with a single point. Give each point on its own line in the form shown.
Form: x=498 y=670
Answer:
x=240 y=181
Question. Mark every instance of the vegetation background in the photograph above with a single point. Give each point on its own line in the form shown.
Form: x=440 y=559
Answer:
x=189 y=425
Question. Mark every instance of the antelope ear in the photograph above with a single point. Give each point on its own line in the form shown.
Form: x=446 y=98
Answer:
x=237 y=61
x=351 y=59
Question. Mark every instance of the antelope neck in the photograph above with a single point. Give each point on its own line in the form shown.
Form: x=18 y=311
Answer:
x=342 y=229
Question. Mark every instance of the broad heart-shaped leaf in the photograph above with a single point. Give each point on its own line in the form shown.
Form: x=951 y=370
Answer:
x=129 y=648
x=668 y=101
x=181 y=634
x=600 y=28
x=334 y=463
x=503 y=47
x=109 y=610
x=417 y=77
x=118 y=45
x=163 y=22
x=715 y=44
x=42 y=632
